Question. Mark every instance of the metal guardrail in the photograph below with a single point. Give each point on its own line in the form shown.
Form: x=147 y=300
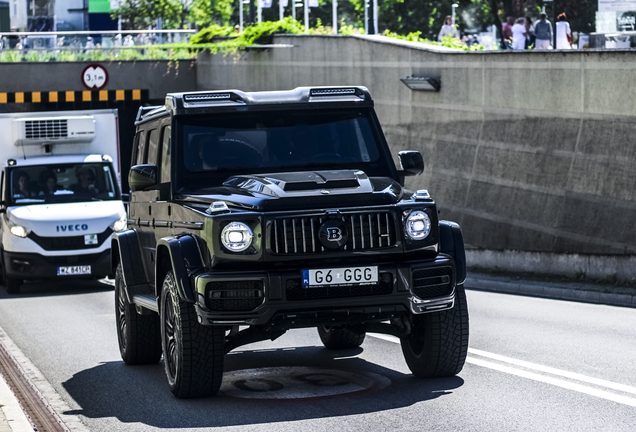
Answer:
x=87 y=40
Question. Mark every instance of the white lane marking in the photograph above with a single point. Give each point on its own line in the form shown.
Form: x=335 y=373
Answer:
x=554 y=371
x=625 y=400
x=545 y=379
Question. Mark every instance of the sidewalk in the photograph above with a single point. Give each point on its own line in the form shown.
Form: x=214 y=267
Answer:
x=554 y=288
x=12 y=418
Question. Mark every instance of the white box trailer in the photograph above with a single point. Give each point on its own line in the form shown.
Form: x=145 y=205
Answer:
x=60 y=194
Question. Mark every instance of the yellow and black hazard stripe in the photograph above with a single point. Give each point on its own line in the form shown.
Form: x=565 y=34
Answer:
x=74 y=96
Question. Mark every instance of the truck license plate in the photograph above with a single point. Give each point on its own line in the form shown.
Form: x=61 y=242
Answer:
x=73 y=270
x=346 y=276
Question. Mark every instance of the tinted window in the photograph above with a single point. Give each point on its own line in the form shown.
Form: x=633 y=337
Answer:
x=141 y=148
x=165 y=154
x=153 y=144
x=274 y=141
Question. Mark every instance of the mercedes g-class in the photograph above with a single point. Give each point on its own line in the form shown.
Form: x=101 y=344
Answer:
x=253 y=213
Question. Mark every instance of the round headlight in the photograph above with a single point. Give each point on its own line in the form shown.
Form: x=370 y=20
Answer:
x=120 y=225
x=237 y=237
x=418 y=225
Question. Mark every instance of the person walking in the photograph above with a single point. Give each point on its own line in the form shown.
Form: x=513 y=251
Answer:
x=563 y=33
x=447 y=29
x=530 y=38
x=519 y=34
x=543 y=33
x=506 y=31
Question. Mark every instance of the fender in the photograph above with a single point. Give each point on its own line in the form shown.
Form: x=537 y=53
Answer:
x=125 y=250
x=185 y=261
x=451 y=242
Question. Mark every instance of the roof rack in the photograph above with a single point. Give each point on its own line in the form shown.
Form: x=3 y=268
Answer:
x=146 y=111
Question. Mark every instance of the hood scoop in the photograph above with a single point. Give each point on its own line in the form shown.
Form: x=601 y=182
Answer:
x=304 y=183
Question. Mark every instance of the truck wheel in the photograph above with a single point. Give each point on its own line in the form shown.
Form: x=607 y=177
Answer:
x=12 y=285
x=438 y=343
x=193 y=353
x=138 y=335
x=342 y=337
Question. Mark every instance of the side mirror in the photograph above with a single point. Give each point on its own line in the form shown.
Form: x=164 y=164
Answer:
x=142 y=177
x=412 y=163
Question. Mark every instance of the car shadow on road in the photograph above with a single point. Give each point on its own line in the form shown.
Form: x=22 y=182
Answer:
x=59 y=287
x=139 y=394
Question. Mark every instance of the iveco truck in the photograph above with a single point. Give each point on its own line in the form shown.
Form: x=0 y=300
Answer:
x=60 y=195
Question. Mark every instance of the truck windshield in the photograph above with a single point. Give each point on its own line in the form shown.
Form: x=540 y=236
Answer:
x=219 y=145
x=62 y=183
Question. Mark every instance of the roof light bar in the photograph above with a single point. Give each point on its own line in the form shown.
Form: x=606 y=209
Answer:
x=206 y=97
x=333 y=92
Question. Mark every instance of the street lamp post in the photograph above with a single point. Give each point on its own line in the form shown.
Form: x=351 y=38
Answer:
x=306 y=16
x=334 y=7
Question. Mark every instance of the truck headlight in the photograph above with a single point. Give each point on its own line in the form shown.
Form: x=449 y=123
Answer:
x=237 y=237
x=418 y=225
x=18 y=230
x=120 y=225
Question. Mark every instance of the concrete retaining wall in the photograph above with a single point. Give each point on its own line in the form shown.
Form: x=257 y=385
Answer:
x=532 y=153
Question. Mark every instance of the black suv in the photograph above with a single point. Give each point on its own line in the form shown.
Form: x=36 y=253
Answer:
x=252 y=213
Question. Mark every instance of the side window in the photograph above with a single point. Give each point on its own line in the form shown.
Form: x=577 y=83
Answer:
x=135 y=150
x=153 y=144
x=165 y=154
x=141 y=148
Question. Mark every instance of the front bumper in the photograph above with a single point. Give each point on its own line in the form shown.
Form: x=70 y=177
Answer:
x=277 y=299
x=37 y=266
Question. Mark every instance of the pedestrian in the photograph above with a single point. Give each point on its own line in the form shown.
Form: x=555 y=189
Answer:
x=519 y=34
x=506 y=31
x=447 y=29
x=563 y=33
x=543 y=33
x=530 y=38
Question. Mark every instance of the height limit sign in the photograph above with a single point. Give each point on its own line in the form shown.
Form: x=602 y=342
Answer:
x=94 y=77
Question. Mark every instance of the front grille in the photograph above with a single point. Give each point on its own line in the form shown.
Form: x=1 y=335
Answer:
x=234 y=295
x=45 y=129
x=74 y=259
x=433 y=282
x=296 y=291
x=366 y=231
x=68 y=243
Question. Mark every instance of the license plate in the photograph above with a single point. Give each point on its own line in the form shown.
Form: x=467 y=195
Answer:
x=73 y=270
x=346 y=276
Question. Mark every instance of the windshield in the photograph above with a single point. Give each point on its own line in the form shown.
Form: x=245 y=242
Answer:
x=221 y=145
x=62 y=183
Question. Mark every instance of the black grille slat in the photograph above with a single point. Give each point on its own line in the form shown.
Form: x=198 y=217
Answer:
x=234 y=295
x=68 y=243
x=432 y=282
x=366 y=231
x=296 y=291
x=35 y=129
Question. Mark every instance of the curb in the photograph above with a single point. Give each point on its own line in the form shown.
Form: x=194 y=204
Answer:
x=549 y=291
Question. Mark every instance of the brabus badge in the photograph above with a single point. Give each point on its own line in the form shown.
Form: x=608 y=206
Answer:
x=334 y=234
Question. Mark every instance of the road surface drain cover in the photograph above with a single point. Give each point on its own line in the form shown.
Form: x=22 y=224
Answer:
x=298 y=382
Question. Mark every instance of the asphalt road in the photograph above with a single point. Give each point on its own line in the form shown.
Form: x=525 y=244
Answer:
x=534 y=364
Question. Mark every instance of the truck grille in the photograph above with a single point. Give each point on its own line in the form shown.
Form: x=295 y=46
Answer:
x=296 y=291
x=366 y=231
x=45 y=129
x=433 y=282
x=68 y=243
x=234 y=295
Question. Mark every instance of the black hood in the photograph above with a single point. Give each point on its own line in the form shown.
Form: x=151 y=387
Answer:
x=302 y=190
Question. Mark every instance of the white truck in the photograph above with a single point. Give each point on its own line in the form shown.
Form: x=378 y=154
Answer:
x=60 y=195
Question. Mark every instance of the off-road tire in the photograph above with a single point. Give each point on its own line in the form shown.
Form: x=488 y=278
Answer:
x=193 y=353
x=342 y=337
x=438 y=343
x=139 y=336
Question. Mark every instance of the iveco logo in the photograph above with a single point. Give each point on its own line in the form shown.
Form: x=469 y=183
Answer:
x=72 y=227
x=333 y=234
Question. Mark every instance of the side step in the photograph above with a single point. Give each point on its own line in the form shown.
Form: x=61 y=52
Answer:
x=147 y=301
